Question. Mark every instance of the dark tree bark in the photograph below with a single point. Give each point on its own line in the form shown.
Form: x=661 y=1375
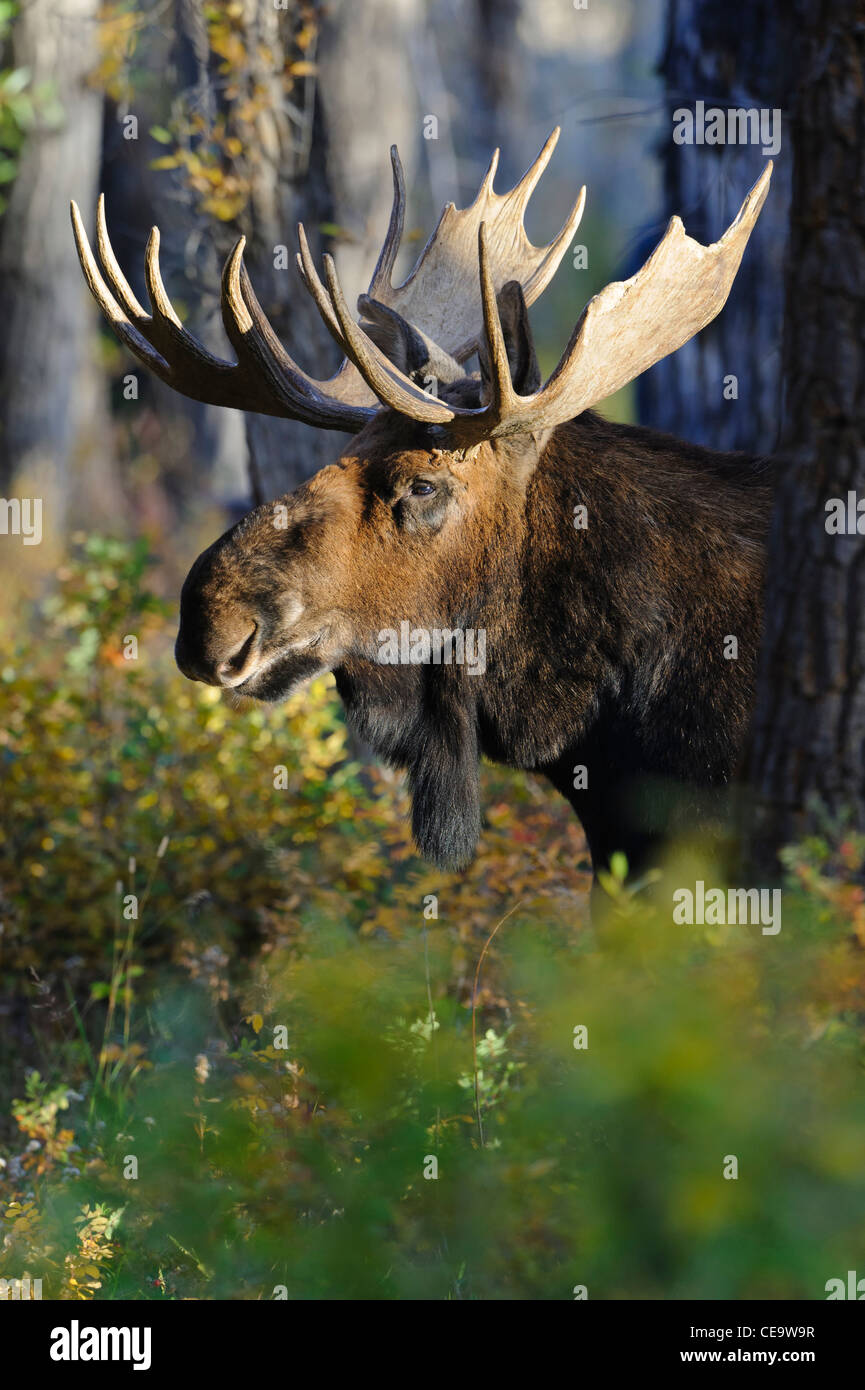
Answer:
x=289 y=185
x=808 y=738
x=500 y=60
x=380 y=72
x=201 y=448
x=323 y=161
x=727 y=56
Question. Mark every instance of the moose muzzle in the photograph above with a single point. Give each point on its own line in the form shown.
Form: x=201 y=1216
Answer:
x=228 y=660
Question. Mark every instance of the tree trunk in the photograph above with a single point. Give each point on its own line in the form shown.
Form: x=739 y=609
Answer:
x=808 y=735
x=727 y=56
x=305 y=174
x=54 y=423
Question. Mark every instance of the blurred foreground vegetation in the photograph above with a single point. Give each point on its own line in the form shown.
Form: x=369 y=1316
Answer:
x=234 y=1042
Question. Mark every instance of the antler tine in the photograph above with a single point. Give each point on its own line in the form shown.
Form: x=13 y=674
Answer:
x=441 y=295
x=387 y=382
x=486 y=188
x=382 y=275
x=503 y=399
x=260 y=351
x=312 y=280
x=392 y=387
x=264 y=379
x=554 y=250
x=116 y=279
x=522 y=191
x=111 y=308
x=165 y=330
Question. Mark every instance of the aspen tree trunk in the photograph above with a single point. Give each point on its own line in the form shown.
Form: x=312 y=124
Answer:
x=53 y=424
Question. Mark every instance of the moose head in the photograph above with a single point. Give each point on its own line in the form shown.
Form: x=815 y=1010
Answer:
x=452 y=516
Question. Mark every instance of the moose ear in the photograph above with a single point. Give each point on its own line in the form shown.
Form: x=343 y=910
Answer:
x=520 y=345
x=406 y=346
x=444 y=776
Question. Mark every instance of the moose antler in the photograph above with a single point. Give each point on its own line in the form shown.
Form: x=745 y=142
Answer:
x=441 y=296
x=628 y=327
x=264 y=378
x=623 y=331
x=450 y=299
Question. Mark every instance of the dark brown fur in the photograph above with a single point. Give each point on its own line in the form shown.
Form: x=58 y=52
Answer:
x=604 y=646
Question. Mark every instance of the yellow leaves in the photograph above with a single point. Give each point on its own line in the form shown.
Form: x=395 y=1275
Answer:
x=256 y=1022
x=117 y=35
x=22 y=1215
x=386 y=919
x=225 y=206
x=84 y=1269
x=214 y=155
x=229 y=47
x=210 y=165
x=305 y=36
x=247 y=112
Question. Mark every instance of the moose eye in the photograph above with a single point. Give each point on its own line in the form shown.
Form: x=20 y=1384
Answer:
x=421 y=489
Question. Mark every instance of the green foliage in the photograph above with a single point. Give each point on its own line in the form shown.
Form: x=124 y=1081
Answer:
x=495 y=1070
x=240 y=1089
x=22 y=104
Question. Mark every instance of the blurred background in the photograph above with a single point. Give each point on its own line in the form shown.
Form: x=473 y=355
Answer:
x=219 y=955
x=216 y=120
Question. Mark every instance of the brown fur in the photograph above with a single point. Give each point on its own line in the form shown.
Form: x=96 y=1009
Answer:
x=605 y=646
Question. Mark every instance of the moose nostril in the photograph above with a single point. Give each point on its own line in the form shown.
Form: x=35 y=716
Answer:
x=232 y=665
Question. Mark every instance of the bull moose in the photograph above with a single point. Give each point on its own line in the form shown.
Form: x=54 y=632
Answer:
x=607 y=566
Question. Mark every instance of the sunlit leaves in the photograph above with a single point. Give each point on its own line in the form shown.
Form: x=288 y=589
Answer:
x=282 y=1040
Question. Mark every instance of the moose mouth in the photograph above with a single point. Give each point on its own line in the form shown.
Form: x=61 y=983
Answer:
x=278 y=679
x=251 y=670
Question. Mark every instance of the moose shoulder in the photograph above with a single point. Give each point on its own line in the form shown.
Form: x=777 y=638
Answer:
x=491 y=569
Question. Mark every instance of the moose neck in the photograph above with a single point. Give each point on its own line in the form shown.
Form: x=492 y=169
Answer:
x=606 y=589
